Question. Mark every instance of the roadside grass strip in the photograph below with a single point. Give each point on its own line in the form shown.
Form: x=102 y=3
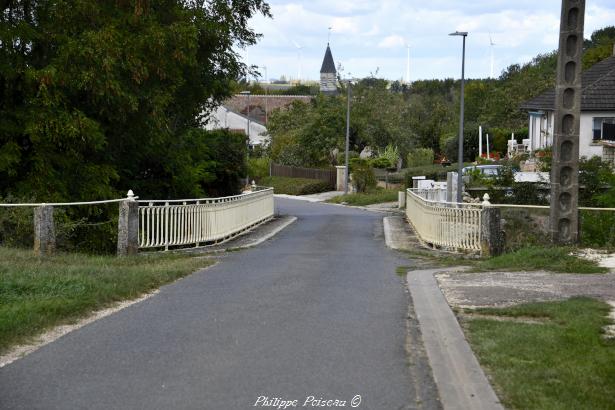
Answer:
x=531 y=258
x=39 y=293
x=550 y=355
x=553 y=259
x=361 y=199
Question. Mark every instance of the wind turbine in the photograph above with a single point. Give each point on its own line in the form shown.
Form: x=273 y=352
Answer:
x=408 y=63
x=491 y=44
x=299 y=48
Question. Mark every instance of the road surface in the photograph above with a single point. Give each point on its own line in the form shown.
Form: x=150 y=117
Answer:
x=318 y=311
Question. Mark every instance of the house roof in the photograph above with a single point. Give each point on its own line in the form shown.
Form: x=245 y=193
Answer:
x=598 y=85
x=328 y=66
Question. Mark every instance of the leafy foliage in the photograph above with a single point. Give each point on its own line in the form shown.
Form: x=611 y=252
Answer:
x=420 y=157
x=98 y=97
x=362 y=173
x=296 y=186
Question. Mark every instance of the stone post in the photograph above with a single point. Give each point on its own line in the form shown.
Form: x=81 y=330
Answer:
x=341 y=174
x=128 y=226
x=401 y=199
x=492 y=237
x=564 y=218
x=415 y=181
x=44 y=231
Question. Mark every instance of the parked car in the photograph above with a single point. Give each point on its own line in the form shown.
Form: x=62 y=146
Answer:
x=485 y=170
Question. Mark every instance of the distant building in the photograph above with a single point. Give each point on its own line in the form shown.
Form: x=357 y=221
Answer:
x=597 y=129
x=328 y=79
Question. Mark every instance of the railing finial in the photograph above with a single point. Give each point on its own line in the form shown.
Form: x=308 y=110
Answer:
x=130 y=195
x=486 y=198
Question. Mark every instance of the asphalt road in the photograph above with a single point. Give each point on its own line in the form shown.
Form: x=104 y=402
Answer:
x=316 y=311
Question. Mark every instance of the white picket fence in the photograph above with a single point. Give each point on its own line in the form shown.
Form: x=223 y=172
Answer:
x=445 y=224
x=201 y=221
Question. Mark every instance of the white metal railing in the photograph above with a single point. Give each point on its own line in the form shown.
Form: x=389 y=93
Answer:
x=432 y=194
x=447 y=224
x=199 y=221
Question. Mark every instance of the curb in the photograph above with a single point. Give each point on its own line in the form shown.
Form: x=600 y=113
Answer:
x=461 y=382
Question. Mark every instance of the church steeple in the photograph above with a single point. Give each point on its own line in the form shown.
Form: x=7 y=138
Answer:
x=328 y=74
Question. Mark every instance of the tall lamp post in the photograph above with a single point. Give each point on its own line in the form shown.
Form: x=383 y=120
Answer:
x=463 y=34
x=346 y=172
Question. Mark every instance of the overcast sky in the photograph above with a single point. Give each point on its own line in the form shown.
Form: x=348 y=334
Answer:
x=371 y=35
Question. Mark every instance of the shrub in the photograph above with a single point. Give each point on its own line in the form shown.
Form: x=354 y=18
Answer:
x=258 y=168
x=363 y=177
x=391 y=154
x=381 y=163
x=296 y=186
x=420 y=157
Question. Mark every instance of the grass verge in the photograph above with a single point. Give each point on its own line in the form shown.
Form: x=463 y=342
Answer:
x=361 y=199
x=551 y=259
x=38 y=293
x=295 y=186
x=561 y=363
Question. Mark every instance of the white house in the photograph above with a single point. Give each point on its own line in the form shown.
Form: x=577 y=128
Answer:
x=222 y=117
x=597 y=132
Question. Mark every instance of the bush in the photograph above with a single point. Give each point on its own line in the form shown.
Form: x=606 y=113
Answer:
x=598 y=229
x=296 y=186
x=16 y=224
x=381 y=163
x=258 y=168
x=391 y=154
x=363 y=177
x=420 y=157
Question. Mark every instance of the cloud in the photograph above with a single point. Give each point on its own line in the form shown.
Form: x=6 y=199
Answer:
x=368 y=34
x=393 y=41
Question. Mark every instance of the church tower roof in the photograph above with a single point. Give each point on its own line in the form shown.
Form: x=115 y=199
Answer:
x=328 y=66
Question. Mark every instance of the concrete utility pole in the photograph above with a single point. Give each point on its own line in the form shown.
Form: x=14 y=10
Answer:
x=564 y=218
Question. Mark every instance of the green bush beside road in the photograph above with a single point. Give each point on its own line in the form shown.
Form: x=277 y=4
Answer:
x=376 y=196
x=295 y=186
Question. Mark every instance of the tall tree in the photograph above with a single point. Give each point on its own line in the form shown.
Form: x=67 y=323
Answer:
x=99 y=96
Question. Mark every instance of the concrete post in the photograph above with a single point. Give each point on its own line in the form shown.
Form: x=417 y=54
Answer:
x=340 y=177
x=415 y=181
x=492 y=237
x=44 y=231
x=564 y=218
x=401 y=199
x=128 y=227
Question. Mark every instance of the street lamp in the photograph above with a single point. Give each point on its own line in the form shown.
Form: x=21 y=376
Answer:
x=347 y=137
x=463 y=34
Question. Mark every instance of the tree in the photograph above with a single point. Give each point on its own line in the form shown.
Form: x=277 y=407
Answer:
x=100 y=96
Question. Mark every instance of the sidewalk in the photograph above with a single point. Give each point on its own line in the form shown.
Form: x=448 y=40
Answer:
x=461 y=382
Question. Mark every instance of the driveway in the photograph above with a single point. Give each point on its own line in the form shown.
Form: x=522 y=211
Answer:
x=317 y=311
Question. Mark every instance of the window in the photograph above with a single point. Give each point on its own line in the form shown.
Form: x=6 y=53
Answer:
x=604 y=128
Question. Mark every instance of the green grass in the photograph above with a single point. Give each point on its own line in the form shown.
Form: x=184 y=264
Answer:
x=361 y=199
x=295 y=186
x=553 y=259
x=562 y=362
x=38 y=293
